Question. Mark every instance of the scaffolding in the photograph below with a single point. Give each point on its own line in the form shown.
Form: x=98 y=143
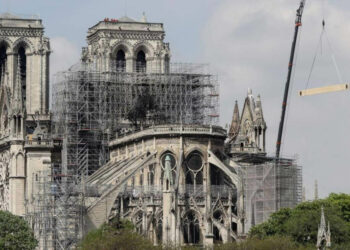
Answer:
x=269 y=185
x=57 y=211
x=90 y=106
x=41 y=211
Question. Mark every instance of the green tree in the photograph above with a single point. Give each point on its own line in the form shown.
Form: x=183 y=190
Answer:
x=343 y=202
x=274 y=242
x=275 y=225
x=15 y=233
x=118 y=234
x=301 y=223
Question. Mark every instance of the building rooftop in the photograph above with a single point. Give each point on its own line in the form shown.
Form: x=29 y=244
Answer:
x=169 y=130
x=125 y=24
x=11 y=20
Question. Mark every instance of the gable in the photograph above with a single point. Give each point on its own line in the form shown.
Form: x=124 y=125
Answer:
x=246 y=114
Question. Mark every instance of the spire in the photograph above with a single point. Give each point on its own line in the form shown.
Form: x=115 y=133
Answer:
x=323 y=234
x=258 y=102
x=258 y=107
x=304 y=195
x=234 y=128
x=323 y=221
x=316 y=190
x=17 y=95
x=144 y=18
x=249 y=92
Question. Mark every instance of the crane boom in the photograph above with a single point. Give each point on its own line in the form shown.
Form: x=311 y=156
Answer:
x=290 y=69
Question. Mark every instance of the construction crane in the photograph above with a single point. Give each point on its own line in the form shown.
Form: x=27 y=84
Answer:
x=290 y=69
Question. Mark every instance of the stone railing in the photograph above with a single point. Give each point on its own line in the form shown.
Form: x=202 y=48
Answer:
x=38 y=143
x=184 y=190
x=172 y=130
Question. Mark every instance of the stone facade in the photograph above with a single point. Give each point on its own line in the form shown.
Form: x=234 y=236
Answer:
x=248 y=131
x=174 y=183
x=24 y=109
x=128 y=45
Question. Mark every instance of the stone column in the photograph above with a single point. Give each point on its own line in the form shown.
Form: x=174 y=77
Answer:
x=208 y=240
x=264 y=143
x=130 y=64
x=229 y=229
x=11 y=66
x=17 y=181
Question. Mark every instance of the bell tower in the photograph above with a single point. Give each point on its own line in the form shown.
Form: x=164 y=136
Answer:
x=24 y=106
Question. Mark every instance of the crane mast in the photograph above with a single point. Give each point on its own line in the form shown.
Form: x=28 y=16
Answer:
x=290 y=70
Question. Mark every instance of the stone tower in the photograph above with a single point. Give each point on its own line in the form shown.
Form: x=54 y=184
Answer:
x=24 y=105
x=127 y=45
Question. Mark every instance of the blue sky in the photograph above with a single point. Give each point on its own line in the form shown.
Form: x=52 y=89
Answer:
x=247 y=43
x=72 y=18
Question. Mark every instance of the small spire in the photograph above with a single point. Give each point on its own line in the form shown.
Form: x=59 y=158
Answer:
x=323 y=221
x=323 y=233
x=304 y=195
x=250 y=92
x=234 y=128
x=316 y=190
x=144 y=18
x=17 y=95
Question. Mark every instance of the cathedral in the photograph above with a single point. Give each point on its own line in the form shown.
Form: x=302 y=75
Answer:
x=129 y=135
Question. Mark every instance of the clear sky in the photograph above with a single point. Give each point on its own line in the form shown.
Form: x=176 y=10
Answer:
x=247 y=43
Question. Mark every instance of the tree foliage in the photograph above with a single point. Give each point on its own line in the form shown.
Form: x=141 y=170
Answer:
x=274 y=242
x=15 y=233
x=118 y=235
x=301 y=223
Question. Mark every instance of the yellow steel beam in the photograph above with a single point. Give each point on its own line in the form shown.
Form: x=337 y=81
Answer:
x=323 y=90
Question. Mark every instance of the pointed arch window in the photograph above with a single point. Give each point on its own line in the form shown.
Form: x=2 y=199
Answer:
x=191 y=230
x=22 y=63
x=3 y=59
x=159 y=230
x=141 y=62
x=120 y=61
x=194 y=170
x=166 y=64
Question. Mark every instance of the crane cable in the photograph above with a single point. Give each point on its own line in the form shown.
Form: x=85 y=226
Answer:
x=319 y=48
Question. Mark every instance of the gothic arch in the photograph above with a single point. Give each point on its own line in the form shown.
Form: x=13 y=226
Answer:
x=146 y=47
x=191 y=227
x=23 y=41
x=194 y=149
x=167 y=150
x=194 y=210
x=7 y=42
x=124 y=45
x=193 y=167
x=220 y=212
